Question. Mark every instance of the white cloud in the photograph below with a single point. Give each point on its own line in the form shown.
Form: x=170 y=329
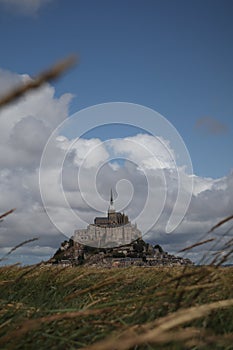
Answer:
x=27 y=7
x=25 y=127
x=206 y=183
x=87 y=153
x=146 y=151
x=35 y=115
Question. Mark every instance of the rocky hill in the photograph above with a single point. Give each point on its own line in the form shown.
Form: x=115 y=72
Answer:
x=137 y=253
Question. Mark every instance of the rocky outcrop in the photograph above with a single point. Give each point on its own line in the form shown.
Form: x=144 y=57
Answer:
x=137 y=253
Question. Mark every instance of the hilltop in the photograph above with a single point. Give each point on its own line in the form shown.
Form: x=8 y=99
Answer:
x=137 y=253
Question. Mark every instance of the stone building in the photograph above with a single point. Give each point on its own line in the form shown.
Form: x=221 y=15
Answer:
x=113 y=230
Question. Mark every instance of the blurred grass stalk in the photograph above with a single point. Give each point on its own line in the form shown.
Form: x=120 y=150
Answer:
x=48 y=75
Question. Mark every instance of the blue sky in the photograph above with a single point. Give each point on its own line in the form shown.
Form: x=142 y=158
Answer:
x=173 y=56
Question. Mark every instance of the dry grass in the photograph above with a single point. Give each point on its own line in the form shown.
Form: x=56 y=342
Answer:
x=18 y=246
x=52 y=73
x=161 y=327
x=131 y=308
x=6 y=213
x=123 y=308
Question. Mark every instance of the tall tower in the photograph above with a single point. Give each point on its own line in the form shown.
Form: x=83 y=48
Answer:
x=111 y=200
x=112 y=215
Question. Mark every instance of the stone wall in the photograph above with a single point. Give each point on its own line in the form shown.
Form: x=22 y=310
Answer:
x=107 y=236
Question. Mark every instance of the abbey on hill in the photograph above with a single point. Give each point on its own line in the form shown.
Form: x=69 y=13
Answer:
x=111 y=231
x=113 y=241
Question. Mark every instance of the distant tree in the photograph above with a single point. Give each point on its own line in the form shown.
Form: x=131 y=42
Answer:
x=138 y=246
x=81 y=259
x=132 y=255
x=118 y=255
x=144 y=257
x=160 y=249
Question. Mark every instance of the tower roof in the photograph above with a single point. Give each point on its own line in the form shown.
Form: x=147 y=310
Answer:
x=111 y=206
x=111 y=198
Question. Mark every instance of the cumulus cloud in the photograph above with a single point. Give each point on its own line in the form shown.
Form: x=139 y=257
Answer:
x=26 y=7
x=146 y=151
x=25 y=128
x=35 y=116
x=79 y=190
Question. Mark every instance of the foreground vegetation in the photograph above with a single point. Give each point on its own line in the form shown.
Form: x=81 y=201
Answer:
x=131 y=308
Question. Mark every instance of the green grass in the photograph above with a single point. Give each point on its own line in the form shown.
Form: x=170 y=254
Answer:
x=129 y=308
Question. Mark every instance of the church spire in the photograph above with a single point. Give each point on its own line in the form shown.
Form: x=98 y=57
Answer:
x=112 y=215
x=111 y=206
x=111 y=198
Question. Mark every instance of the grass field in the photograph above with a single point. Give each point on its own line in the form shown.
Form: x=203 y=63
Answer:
x=131 y=308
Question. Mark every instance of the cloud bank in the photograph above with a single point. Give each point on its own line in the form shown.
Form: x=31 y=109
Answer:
x=25 y=128
x=26 y=7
